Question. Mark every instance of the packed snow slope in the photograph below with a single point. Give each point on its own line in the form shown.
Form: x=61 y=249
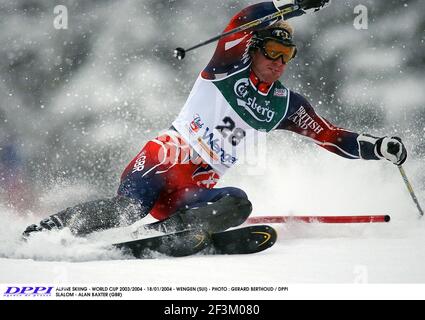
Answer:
x=309 y=182
x=79 y=103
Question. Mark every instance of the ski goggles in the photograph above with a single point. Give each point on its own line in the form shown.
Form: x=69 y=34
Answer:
x=274 y=50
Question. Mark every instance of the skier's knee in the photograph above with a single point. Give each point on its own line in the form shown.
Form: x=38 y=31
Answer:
x=132 y=210
x=243 y=208
x=236 y=193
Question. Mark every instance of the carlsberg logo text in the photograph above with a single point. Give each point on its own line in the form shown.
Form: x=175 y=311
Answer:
x=260 y=113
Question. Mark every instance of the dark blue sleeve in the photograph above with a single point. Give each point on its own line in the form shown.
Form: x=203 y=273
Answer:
x=302 y=119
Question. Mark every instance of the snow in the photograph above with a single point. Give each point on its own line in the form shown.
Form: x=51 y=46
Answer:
x=314 y=182
x=83 y=101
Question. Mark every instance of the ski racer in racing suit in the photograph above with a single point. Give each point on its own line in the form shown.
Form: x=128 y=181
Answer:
x=236 y=99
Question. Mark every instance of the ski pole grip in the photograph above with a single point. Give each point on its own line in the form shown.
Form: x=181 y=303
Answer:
x=179 y=53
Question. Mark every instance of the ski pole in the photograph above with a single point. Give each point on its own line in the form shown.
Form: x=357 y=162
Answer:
x=319 y=219
x=410 y=188
x=180 y=53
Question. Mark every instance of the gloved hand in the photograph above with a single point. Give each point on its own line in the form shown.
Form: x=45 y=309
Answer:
x=49 y=223
x=282 y=4
x=308 y=6
x=311 y=6
x=392 y=149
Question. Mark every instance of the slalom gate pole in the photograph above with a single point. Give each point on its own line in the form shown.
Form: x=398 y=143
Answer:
x=180 y=53
x=410 y=188
x=319 y=219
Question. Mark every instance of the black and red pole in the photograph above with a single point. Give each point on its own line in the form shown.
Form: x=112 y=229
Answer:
x=180 y=53
x=319 y=219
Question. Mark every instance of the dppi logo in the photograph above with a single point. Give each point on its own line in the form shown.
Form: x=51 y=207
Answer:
x=280 y=92
x=28 y=291
x=196 y=124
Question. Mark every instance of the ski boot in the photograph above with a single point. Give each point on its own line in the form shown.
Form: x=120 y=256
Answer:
x=50 y=223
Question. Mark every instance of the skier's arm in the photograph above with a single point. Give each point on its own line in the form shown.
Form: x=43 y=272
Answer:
x=231 y=53
x=304 y=120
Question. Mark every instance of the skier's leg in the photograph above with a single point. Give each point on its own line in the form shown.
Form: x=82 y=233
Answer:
x=92 y=216
x=139 y=189
x=217 y=209
x=210 y=209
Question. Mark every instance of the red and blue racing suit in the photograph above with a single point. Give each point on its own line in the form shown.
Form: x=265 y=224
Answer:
x=168 y=175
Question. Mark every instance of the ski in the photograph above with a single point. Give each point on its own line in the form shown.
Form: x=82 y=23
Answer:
x=245 y=240
x=178 y=244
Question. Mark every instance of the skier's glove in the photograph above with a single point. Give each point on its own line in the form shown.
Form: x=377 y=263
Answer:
x=311 y=6
x=282 y=4
x=392 y=149
x=308 y=6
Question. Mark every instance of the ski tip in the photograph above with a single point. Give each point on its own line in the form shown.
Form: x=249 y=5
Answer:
x=245 y=240
x=264 y=237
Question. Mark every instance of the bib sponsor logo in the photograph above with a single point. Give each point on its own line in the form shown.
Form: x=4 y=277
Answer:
x=196 y=124
x=28 y=291
x=280 y=92
x=241 y=87
x=260 y=113
x=211 y=145
x=303 y=120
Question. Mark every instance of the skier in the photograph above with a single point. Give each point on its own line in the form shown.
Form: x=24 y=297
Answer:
x=236 y=98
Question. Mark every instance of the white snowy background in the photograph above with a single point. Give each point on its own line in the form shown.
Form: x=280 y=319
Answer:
x=79 y=103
